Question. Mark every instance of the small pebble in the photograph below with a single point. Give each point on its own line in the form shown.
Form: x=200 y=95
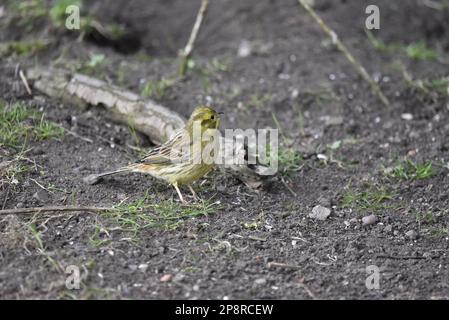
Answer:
x=334 y=121
x=320 y=213
x=179 y=277
x=294 y=94
x=407 y=116
x=244 y=49
x=322 y=157
x=260 y=281
x=166 y=278
x=143 y=267
x=412 y=234
x=369 y=220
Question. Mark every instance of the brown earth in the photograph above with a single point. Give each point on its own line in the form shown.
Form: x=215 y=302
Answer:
x=317 y=98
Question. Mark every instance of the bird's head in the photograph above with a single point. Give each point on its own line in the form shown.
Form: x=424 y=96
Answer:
x=207 y=117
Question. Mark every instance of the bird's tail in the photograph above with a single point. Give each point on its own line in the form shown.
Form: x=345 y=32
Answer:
x=95 y=178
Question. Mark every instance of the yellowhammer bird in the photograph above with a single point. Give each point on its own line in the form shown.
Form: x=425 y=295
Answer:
x=179 y=161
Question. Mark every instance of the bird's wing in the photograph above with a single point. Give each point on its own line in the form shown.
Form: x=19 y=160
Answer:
x=171 y=151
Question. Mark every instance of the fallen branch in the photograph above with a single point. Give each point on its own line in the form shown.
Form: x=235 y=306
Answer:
x=185 y=54
x=146 y=116
x=340 y=46
x=52 y=209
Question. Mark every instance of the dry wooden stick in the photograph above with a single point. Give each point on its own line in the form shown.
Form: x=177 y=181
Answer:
x=25 y=82
x=74 y=134
x=288 y=187
x=146 y=116
x=340 y=46
x=52 y=209
x=185 y=54
x=282 y=265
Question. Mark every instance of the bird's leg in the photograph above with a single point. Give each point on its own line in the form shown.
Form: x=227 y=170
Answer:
x=195 y=196
x=175 y=185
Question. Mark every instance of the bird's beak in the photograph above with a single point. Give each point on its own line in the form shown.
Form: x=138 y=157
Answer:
x=220 y=112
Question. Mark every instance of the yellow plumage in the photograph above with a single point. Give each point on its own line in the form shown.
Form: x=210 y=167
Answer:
x=173 y=161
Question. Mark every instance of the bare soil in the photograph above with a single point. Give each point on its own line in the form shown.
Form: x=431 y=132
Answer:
x=317 y=98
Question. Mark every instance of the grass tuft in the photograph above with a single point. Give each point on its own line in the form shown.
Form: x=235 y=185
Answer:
x=289 y=161
x=409 y=170
x=373 y=198
x=20 y=48
x=420 y=51
x=415 y=51
x=19 y=124
x=141 y=214
x=432 y=88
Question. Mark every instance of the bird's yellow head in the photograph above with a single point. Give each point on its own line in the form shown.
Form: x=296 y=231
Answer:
x=207 y=117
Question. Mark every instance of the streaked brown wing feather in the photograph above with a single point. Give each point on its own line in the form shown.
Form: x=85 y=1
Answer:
x=169 y=151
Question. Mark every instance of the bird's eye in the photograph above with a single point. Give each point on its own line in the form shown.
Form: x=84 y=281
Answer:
x=212 y=117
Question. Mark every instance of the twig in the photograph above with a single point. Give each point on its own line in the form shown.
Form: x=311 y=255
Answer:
x=282 y=265
x=300 y=239
x=185 y=54
x=74 y=134
x=307 y=289
x=39 y=185
x=52 y=209
x=406 y=257
x=16 y=70
x=288 y=187
x=25 y=82
x=340 y=46
x=257 y=238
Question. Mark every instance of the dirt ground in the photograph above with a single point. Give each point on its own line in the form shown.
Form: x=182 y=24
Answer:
x=264 y=64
